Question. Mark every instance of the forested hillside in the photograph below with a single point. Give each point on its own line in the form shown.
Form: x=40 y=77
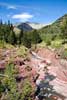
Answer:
x=57 y=30
x=8 y=35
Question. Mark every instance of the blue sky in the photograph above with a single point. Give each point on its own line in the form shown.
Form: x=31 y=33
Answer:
x=40 y=11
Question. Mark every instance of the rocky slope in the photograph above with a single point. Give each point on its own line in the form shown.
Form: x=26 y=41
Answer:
x=44 y=68
x=52 y=72
x=27 y=26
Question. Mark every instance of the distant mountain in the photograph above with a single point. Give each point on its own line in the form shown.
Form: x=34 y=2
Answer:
x=36 y=25
x=54 y=28
x=27 y=26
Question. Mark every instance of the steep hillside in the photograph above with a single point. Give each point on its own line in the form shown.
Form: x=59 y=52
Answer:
x=55 y=28
x=61 y=20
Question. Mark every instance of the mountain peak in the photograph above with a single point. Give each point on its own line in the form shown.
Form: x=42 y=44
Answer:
x=28 y=26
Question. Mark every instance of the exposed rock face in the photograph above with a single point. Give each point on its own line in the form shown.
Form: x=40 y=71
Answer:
x=29 y=26
x=55 y=75
x=44 y=69
x=36 y=25
x=25 y=27
x=2 y=65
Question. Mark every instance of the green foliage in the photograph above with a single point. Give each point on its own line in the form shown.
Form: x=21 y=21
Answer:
x=10 y=70
x=56 y=43
x=10 y=84
x=1 y=88
x=7 y=34
x=30 y=38
x=9 y=87
x=22 y=51
x=57 y=30
x=20 y=37
x=35 y=38
x=64 y=29
x=26 y=91
x=12 y=38
x=26 y=40
x=64 y=54
x=48 y=43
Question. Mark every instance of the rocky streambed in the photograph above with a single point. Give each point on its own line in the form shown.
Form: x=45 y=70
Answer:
x=44 y=69
x=52 y=73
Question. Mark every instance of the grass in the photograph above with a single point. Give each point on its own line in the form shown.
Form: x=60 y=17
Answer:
x=56 y=43
x=64 y=54
x=22 y=51
x=65 y=46
x=5 y=45
x=42 y=44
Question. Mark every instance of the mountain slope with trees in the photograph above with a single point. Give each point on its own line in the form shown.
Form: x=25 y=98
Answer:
x=58 y=29
x=49 y=33
x=8 y=35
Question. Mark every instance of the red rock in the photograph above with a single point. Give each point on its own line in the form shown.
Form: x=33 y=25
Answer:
x=2 y=64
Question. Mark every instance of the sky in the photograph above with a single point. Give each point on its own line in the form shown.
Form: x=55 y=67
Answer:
x=39 y=11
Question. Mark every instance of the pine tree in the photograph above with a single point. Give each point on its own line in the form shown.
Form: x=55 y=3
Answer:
x=10 y=83
x=64 y=30
x=1 y=23
x=35 y=38
x=26 y=40
x=12 y=38
x=20 y=37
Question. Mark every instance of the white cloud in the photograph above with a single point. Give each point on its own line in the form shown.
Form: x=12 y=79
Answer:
x=8 y=6
x=11 y=7
x=14 y=6
x=23 y=16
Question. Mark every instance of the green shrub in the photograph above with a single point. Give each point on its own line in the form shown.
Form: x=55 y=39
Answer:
x=26 y=91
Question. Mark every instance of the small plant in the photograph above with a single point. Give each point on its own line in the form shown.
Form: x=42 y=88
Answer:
x=27 y=91
x=48 y=43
